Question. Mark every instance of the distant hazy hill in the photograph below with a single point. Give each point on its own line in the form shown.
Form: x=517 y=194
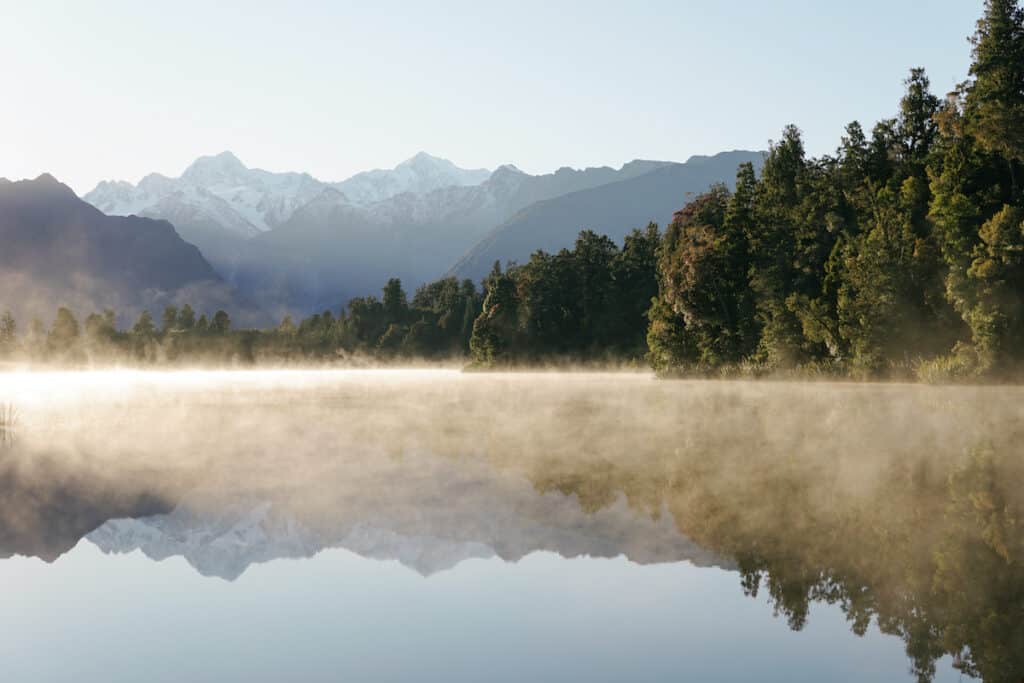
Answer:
x=57 y=249
x=612 y=209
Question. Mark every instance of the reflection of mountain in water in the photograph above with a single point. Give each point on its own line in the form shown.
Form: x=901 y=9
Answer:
x=225 y=541
x=218 y=545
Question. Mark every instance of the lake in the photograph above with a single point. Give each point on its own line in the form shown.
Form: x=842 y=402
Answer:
x=421 y=525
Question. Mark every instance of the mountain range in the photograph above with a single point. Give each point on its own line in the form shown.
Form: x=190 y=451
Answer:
x=290 y=241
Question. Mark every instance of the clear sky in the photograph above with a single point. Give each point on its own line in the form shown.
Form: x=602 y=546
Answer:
x=117 y=89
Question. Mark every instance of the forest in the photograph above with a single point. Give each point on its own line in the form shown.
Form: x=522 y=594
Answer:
x=899 y=256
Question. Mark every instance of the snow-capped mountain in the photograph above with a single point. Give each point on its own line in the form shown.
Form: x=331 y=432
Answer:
x=247 y=201
x=219 y=190
x=219 y=204
x=419 y=175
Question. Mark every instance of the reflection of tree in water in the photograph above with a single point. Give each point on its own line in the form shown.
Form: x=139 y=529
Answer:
x=979 y=578
x=933 y=555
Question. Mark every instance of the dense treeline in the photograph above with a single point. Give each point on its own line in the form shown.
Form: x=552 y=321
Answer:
x=436 y=325
x=587 y=303
x=901 y=254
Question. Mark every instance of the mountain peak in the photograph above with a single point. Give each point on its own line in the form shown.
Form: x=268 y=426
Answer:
x=418 y=175
x=421 y=157
x=218 y=167
x=428 y=163
x=47 y=179
x=44 y=187
x=423 y=162
x=227 y=158
x=508 y=169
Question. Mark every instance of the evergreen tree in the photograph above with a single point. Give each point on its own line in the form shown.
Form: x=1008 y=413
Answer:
x=390 y=342
x=890 y=303
x=169 y=320
x=494 y=330
x=994 y=104
x=100 y=328
x=221 y=323
x=916 y=128
x=975 y=197
x=8 y=333
x=64 y=331
x=774 y=239
x=996 y=274
x=36 y=335
x=287 y=326
x=880 y=304
x=703 y=280
x=366 y=320
x=471 y=305
x=396 y=307
x=144 y=327
x=593 y=256
x=634 y=272
x=143 y=337
x=186 y=318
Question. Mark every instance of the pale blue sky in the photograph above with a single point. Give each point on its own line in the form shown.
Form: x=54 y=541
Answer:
x=95 y=90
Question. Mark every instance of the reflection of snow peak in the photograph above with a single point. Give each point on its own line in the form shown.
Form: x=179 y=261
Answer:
x=225 y=543
x=221 y=545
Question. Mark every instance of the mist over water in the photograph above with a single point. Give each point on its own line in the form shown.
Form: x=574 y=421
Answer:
x=839 y=510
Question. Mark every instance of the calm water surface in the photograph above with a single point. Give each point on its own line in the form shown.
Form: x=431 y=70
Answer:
x=433 y=525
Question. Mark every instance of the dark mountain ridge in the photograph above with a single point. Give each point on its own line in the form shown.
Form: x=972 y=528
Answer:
x=58 y=249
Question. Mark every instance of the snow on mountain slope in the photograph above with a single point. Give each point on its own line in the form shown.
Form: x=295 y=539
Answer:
x=219 y=189
x=219 y=193
x=419 y=175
